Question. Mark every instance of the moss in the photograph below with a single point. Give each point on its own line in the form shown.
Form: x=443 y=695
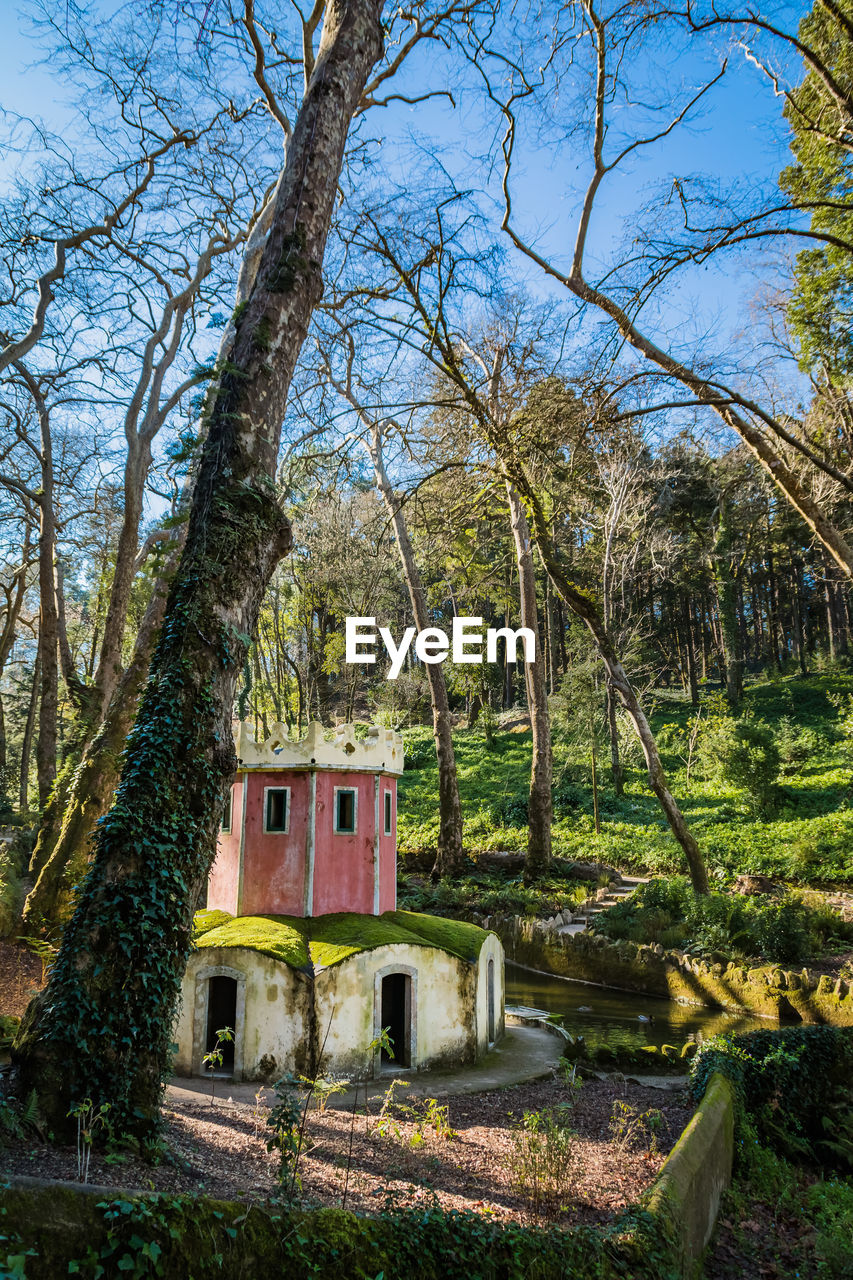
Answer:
x=323 y=941
x=282 y=937
x=203 y=921
x=456 y=936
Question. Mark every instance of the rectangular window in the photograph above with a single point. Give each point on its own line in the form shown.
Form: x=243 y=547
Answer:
x=388 y=813
x=276 y=809
x=346 y=810
x=226 y=813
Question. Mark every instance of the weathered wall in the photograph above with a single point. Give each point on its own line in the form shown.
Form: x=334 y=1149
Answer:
x=344 y=864
x=276 y=1017
x=224 y=882
x=273 y=880
x=492 y=949
x=686 y=1195
x=279 y=1009
x=445 y=1015
x=766 y=990
x=387 y=847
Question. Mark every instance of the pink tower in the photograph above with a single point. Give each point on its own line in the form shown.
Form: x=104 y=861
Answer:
x=311 y=826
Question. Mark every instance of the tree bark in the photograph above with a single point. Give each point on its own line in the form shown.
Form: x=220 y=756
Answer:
x=102 y=1027
x=27 y=743
x=450 y=853
x=539 y=802
x=64 y=861
x=48 y=641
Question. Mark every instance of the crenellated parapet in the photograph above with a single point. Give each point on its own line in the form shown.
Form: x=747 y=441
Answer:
x=380 y=751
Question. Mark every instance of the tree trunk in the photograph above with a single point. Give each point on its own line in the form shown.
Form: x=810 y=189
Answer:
x=450 y=853
x=62 y=861
x=27 y=743
x=539 y=804
x=102 y=1027
x=690 y=642
x=616 y=771
x=48 y=640
x=582 y=604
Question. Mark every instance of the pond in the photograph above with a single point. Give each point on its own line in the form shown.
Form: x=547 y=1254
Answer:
x=605 y=1014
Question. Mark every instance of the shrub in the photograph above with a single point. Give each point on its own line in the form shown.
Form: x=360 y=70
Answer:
x=785 y=1083
x=787 y=929
x=748 y=757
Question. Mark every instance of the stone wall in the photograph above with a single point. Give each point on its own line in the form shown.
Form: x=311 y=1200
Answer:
x=767 y=991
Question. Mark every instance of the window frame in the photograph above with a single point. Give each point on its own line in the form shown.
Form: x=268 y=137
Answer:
x=388 y=812
x=225 y=828
x=276 y=831
x=345 y=831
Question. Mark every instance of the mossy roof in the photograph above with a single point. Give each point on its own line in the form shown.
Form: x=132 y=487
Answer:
x=318 y=942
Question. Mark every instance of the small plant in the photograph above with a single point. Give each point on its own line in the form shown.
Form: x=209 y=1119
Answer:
x=435 y=1118
x=46 y=952
x=323 y=1090
x=385 y=1124
x=285 y=1119
x=89 y=1120
x=631 y=1129
x=543 y=1160
x=213 y=1059
x=17 y=1118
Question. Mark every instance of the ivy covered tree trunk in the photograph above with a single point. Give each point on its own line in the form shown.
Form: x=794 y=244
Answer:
x=539 y=804
x=102 y=1027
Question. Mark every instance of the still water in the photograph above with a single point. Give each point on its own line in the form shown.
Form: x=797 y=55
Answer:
x=602 y=1013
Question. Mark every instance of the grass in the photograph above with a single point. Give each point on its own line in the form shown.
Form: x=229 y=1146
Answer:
x=807 y=838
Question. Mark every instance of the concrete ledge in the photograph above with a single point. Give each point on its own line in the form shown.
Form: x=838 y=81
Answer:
x=686 y=1195
x=767 y=991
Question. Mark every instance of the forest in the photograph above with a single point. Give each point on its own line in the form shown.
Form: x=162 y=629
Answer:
x=517 y=316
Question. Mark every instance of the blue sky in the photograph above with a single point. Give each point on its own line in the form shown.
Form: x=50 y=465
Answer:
x=738 y=135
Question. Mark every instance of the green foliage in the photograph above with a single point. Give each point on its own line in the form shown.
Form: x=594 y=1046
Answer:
x=807 y=838
x=785 y=1081
x=285 y=1120
x=19 y=1118
x=723 y=925
x=495 y=892
x=746 y=756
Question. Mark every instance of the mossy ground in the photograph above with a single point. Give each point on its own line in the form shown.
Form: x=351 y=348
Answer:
x=808 y=839
x=323 y=941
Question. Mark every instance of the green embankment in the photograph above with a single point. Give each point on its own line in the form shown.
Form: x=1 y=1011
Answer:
x=805 y=836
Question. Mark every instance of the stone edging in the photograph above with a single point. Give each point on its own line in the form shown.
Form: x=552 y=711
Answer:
x=686 y=1194
x=766 y=991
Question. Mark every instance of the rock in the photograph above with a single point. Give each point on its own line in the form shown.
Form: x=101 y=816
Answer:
x=824 y=985
x=840 y=988
x=754 y=884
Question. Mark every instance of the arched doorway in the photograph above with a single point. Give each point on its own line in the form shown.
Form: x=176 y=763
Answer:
x=221 y=1013
x=491 y=994
x=397 y=1017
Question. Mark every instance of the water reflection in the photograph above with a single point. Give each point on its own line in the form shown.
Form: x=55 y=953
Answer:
x=619 y=1017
